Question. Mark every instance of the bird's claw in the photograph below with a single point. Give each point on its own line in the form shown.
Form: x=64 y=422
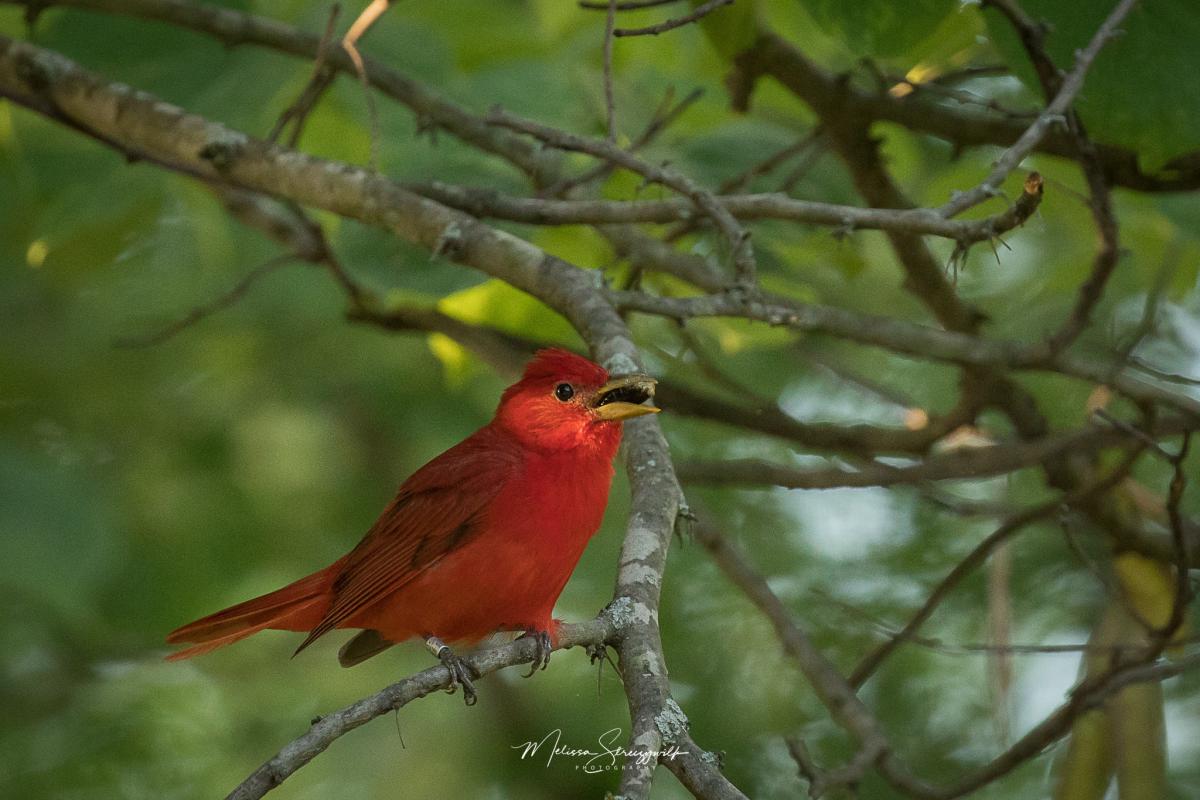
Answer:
x=541 y=654
x=461 y=672
x=597 y=652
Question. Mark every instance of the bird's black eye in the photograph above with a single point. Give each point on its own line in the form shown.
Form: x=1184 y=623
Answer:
x=564 y=392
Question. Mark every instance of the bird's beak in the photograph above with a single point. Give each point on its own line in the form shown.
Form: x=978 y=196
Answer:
x=622 y=398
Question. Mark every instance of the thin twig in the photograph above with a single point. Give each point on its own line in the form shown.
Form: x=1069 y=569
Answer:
x=705 y=202
x=666 y=114
x=671 y=24
x=199 y=313
x=1052 y=115
x=485 y=202
x=980 y=648
x=1016 y=523
x=625 y=5
x=1183 y=554
x=610 y=110
x=320 y=80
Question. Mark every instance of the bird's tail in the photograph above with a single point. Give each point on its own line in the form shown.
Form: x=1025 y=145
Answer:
x=298 y=606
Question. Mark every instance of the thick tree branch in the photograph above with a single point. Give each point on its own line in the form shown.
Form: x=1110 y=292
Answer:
x=964 y=464
x=330 y=727
x=964 y=127
x=907 y=338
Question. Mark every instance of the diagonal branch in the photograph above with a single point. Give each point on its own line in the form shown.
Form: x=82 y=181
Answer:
x=1052 y=115
x=328 y=728
x=973 y=560
x=701 y=11
x=969 y=463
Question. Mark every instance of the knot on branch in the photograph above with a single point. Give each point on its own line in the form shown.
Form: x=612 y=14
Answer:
x=223 y=149
x=37 y=71
x=449 y=243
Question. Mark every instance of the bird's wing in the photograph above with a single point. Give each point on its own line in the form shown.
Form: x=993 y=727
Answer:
x=436 y=511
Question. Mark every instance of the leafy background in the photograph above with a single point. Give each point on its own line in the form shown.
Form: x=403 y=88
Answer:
x=140 y=488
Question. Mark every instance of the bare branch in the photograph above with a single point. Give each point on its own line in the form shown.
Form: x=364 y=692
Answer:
x=666 y=114
x=705 y=202
x=977 y=462
x=834 y=693
x=699 y=13
x=202 y=312
x=626 y=5
x=489 y=203
x=609 y=106
x=1052 y=115
x=330 y=727
x=772 y=55
x=906 y=338
x=978 y=556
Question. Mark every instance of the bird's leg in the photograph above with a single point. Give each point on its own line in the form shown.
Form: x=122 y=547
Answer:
x=541 y=654
x=461 y=672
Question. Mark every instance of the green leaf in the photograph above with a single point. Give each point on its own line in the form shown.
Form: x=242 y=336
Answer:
x=499 y=305
x=1138 y=93
x=881 y=29
x=730 y=29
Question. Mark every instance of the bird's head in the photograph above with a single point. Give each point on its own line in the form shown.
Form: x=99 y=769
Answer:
x=563 y=401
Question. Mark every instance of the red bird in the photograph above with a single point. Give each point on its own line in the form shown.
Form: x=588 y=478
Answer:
x=481 y=539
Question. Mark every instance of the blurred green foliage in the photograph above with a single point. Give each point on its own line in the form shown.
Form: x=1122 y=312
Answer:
x=140 y=488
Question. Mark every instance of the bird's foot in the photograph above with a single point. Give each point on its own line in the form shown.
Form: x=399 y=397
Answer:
x=597 y=652
x=541 y=655
x=461 y=673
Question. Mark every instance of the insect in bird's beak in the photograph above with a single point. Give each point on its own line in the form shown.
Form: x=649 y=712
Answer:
x=622 y=398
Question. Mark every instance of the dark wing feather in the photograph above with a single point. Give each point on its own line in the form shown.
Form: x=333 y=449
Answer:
x=436 y=511
x=364 y=645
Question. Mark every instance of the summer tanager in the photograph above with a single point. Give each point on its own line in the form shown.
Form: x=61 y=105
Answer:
x=481 y=539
